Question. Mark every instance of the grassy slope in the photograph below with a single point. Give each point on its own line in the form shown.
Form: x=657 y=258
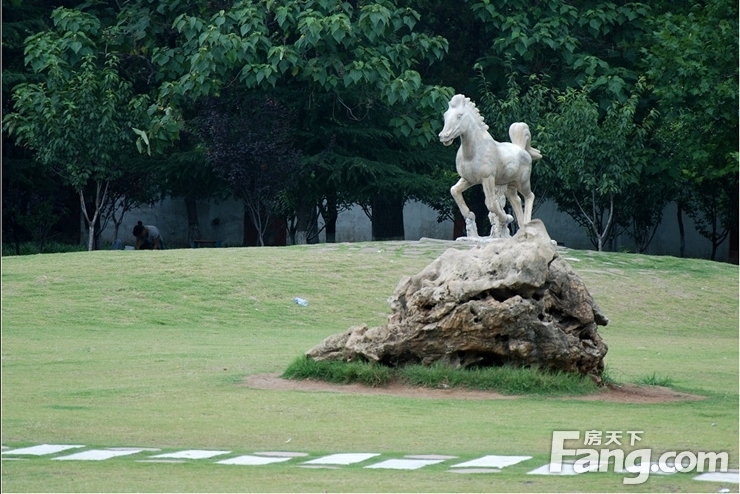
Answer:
x=149 y=349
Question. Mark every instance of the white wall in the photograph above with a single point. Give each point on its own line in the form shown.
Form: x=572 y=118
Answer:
x=564 y=229
x=419 y=220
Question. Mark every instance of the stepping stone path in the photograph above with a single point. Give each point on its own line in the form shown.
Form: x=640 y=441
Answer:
x=484 y=464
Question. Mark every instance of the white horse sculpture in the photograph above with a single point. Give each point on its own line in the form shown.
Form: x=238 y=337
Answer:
x=482 y=160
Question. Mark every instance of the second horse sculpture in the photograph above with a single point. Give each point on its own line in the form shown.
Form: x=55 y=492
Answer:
x=482 y=160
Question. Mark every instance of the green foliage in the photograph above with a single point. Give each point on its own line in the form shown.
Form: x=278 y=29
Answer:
x=572 y=43
x=655 y=379
x=691 y=60
x=371 y=50
x=607 y=376
x=506 y=380
x=592 y=158
x=369 y=374
x=49 y=247
x=79 y=119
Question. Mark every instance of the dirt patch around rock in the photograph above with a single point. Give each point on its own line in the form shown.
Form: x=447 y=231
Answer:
x=625 y=393
x=634 y=393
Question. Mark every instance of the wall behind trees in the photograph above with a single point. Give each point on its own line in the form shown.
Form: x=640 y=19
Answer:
x=419 y=221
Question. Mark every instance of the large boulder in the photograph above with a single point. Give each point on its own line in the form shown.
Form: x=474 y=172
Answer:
x=513 y=301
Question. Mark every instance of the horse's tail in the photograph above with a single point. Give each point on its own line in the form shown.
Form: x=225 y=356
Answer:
x=521 y=136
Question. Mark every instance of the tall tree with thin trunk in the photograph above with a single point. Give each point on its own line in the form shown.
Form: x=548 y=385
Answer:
x=592 y=159
x=79 y=119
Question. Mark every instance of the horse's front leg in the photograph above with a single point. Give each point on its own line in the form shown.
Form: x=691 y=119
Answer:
x=457 y=194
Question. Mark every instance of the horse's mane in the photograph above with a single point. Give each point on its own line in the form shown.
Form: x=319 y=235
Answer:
x=461 y=100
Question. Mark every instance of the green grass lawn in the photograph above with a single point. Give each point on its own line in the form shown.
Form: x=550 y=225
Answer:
x=150 y=349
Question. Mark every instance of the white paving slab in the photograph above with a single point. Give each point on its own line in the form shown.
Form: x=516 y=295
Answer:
x=430 y=457
x=494 y=461
x=404 y=464
x=566 y=469
x=287 y=454
x=160 y=461
x=99 y=454
x=252 y=460
x=192 y=454
x=43 y=449
x=729 y=477
x=475 y=470
x=342 y=459
x=653 y=468
x=126 y=448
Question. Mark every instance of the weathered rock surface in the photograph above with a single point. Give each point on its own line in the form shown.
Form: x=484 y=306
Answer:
x=513 y=301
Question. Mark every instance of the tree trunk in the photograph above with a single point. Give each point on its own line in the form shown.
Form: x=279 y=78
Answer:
x=304 y=214
x=254 y=226
x=116 y=228
x=99 y=199
x=193 y=223
x=329 y=213
x=388 y=217
x=681 y=232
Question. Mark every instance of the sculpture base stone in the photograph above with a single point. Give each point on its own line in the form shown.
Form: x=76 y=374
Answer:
x=481 y=240
x=513 y=301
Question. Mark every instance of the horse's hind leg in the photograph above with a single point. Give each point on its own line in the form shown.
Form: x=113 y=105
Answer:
x=516 y=205
x=457 y=194
x=526 y=191
x=496 y=212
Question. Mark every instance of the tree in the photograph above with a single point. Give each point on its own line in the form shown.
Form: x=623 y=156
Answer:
x=691 y=59
x=592 y=159
x=352 y=64
x=572 y=42
x=251 y=148
x=78 y=119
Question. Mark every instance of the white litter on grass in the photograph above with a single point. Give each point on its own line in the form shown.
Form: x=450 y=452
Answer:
x=43 y=449
x=730 y=477
x=404 y=464
x=494 y=461
x=99 y=454
x=285 y=454
x=193 y=454
x=251 y=460
x=342 y=459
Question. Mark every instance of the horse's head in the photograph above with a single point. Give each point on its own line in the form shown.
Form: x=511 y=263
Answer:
x=457 y=118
